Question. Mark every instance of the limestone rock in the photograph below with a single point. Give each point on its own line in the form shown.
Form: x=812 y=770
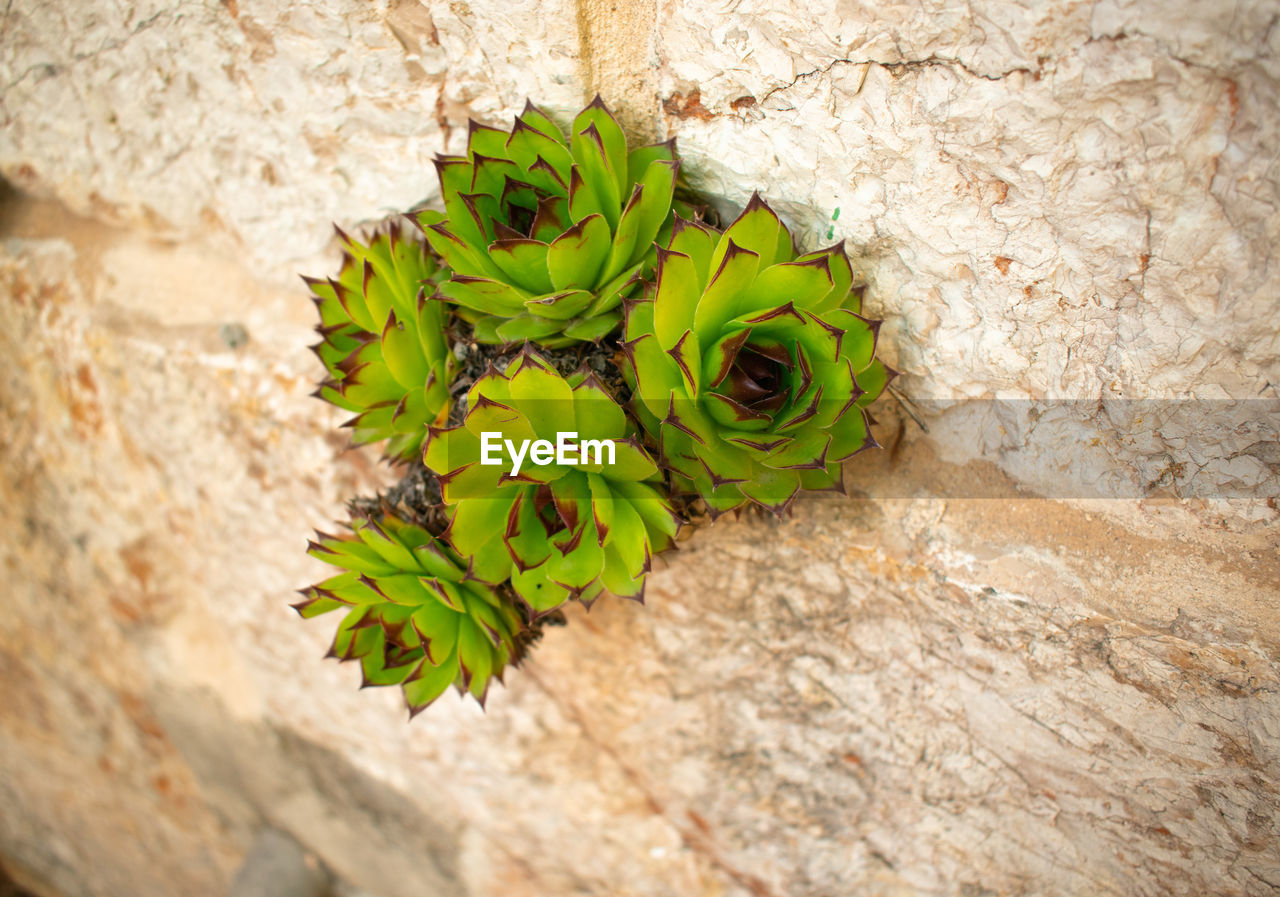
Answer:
x=942 y=685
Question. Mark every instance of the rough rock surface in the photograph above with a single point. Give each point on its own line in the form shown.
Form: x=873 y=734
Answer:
x=913 y=691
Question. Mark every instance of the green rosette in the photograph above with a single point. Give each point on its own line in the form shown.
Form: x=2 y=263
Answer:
x=751 y=365
x=383 y=341
x=567 y=529
x=412 y=617
x=547 y=233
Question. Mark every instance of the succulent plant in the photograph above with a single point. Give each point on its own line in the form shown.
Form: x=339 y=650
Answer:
x=748 y=368
x=383 y=342
x=546 y=234
x=752 y=365
x=561 y=525
x=413 y=617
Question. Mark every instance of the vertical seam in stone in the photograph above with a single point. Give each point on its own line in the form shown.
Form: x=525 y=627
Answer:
x=616 y=39
x=585 y=52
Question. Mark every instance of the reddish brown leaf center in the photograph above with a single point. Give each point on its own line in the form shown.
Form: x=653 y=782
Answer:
x=757 y=381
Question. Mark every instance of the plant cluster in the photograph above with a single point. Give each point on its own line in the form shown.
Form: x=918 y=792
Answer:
x=569 y=286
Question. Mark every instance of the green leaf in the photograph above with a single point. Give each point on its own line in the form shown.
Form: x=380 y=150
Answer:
x=411 y=413
x=484 y=140
x=465 y=258
x=479 y=521
x=640 y=158
x=610 y=296
x=560 y=306
x=427 y=682
x=697 y=241
x=657 y=377
x=837 y=390
x=436 y=625
x=575 y=257
x=493 y=624
x=377 y=293
x=435 y=559
x=849 y=435
x=402 y=352
x=454 y=173
x=543 y=396
x=839 y=296
x=527 y=327
x=719 y=301
x=732 y=415
x=402 y=588
x=489 y=175
x=551 y=220
x=486 y=416
x=351 y=555
x=594 y=327
x=872 y=380
x=537 y=590
x=451 y=450
x=596 y=169
x=524 y=262
x=613 y=144
x=430 y=328
x=577 y=566
x=858 y=344
x=377 y=673
x=536 y=118
x=658 y=517
x=392 y=550
x=492 y=562
x=686 y=355
x=630 y=463
x=464 y=219
x=718 y=360
x=475 y=655
x=639 y=319
x=523 y=533
x=801 y=283
x=646 y=212
x=757 y=230
x=628 y=539
x=772 y=489
x=828 y=479
x=676 y=298
x=584 y=201
x=314 y=605
x=615 y=576
x=571 y=498
x=603 y=505
x=484 y=295
x=527 y=144
x=807 y=450
x=485 y=328
x=354 y=305
x=596 y=414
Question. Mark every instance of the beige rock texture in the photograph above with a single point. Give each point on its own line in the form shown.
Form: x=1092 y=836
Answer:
x=1036 y=651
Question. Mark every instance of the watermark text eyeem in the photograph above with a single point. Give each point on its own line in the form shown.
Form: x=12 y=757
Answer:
x=543 y=452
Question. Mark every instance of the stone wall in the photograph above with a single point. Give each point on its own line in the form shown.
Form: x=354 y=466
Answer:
x=945 y=684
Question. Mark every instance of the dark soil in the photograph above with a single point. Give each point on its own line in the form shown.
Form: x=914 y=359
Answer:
x=475 y=360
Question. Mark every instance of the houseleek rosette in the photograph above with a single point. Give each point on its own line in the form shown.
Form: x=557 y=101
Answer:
x=569 y=528
x=546 y=234
x=413 y=617
x=752 y=366
x=383 y=342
